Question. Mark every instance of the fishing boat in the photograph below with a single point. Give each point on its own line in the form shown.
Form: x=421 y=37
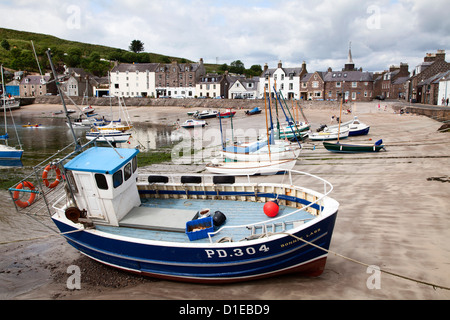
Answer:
x=354 y=148
x=331 y=134
x=8 y=152
x=202 y=229
x=254 y=111
x=206 y=114
x=191 y=123
x=227 y=114
x=114 y=136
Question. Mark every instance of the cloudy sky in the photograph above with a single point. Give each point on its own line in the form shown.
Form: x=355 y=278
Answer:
x=381 y=32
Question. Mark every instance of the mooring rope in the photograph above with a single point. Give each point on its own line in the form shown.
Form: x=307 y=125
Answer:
x=364 y=264
x=42 y=237
x=269 y=234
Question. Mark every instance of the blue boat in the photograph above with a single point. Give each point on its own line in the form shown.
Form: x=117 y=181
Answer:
x=192 y=228
x=255 y=110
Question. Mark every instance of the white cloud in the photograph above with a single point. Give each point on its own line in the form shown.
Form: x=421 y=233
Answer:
x=382 y=32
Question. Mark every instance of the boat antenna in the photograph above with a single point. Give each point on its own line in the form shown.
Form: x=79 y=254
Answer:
x=77 y=145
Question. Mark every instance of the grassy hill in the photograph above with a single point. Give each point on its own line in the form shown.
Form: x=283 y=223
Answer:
x=20 y=55
x=91 y=57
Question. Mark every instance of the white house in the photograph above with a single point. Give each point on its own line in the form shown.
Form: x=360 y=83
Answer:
x=244 y=88
x=133 y=80
x=285 y=79
x=444 y=90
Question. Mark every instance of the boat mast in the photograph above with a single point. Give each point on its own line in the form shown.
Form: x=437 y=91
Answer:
x=77 y=145
x=267 y=123
x=4 y=107
x=340 y=116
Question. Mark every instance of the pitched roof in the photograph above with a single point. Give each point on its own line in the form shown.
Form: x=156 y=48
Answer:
x=35 y=80
x=348 y=76
x=133 y=67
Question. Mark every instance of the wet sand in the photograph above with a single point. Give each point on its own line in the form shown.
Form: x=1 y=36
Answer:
x=394 y=214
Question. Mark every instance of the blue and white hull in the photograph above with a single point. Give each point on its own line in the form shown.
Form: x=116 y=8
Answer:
x=212 y=262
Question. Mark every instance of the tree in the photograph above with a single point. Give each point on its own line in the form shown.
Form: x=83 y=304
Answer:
x=237 y=67
x=5 y=45
x=136 y=46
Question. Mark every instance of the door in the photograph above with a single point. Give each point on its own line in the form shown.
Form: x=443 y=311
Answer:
x=90 y=193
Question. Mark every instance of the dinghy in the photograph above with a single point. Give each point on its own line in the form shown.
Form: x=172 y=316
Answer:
x=353 y=147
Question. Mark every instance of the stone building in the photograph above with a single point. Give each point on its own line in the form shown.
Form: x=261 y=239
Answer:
x=420 y=87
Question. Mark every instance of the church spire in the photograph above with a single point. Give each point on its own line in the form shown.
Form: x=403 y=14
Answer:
x=350 y=60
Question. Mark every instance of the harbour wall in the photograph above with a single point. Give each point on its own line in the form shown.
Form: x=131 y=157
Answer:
x=435 y=112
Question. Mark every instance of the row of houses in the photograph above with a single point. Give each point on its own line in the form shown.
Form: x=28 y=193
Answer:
x=427 y=83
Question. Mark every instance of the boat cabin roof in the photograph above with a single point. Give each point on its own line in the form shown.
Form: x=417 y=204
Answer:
x=101 y=160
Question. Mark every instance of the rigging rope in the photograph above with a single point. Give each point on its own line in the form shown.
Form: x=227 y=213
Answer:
x=364 y=264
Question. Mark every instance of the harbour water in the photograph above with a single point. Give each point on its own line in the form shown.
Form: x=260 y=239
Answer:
x=53 y=134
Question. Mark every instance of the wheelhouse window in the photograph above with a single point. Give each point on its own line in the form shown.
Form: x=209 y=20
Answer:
x=127 y=171
x=134 y=164
x=117 y=179
x=101 y=181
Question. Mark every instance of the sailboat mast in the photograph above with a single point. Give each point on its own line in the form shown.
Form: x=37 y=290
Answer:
x=77 y=145
x=340 y=117
x=267 y=123
x=4 y=106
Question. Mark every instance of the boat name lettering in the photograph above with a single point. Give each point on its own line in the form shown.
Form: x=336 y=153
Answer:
x=237 y=252
x=294 y=240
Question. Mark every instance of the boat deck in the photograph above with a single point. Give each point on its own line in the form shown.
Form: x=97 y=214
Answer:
x=165 y=219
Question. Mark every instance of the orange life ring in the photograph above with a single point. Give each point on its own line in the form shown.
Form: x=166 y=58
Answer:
x=24 y=204
x=45 y=174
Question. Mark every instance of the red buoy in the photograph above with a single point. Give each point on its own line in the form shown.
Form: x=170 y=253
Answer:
x=271 y=209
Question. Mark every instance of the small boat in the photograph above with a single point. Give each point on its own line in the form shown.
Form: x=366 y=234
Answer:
x=88 y=110
x=354 y=148
x=329 y=134
x=206 y=114
x=31 y=125
x=191 y=123
x=260 y=151
x=249 y=168
x=9 y=103
x=356 y=127
x=227 y=114
x=300 y=131
x=115 y=136
x=192 y=113
x=9 y=152
x=254 y=111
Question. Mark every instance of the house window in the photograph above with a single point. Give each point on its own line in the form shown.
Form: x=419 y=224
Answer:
x=282 y=77
x=315 y=84
x=353 y=95
x=354 y=84
x=338 y=84
x=291 y=86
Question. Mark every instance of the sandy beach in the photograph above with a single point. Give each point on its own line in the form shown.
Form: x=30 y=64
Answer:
x=394 y=214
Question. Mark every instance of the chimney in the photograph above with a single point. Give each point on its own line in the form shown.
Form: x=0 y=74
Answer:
x=279 y=64
x=266 y=67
